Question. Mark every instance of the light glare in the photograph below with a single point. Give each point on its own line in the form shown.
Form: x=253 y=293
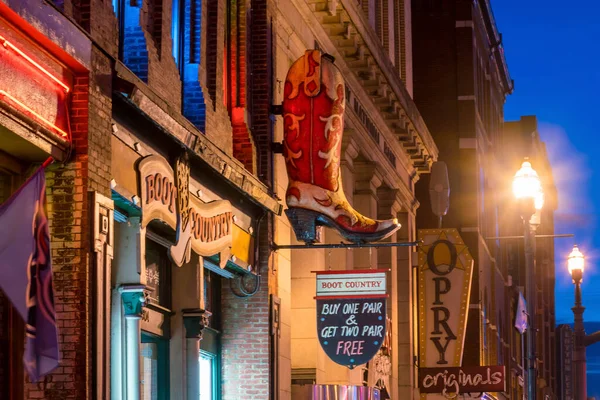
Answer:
x=527 y=184
x=576 y=260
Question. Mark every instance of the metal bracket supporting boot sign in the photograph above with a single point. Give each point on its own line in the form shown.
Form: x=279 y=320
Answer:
x=340 y=245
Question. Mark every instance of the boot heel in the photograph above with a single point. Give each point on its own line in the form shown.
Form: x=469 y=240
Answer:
x=304 y=223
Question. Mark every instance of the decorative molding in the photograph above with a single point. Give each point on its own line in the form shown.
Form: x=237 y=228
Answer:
x=367 y=69
x=134 y=299
x=350 y=148
x=362 y=28
x=194 y=321
x=389 y=203
x=367 y=178
x=103 y=239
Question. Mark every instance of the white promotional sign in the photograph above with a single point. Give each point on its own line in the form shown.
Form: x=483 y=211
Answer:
x=348 y=283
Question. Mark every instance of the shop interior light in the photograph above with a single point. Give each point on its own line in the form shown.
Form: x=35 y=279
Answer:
x=8 y=44
x=36 y=115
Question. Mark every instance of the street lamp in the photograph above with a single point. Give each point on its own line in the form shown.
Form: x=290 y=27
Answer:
x=527 y=188
x=576 y=263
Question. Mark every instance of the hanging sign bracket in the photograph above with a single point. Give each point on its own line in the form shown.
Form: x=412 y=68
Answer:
x=340 y=245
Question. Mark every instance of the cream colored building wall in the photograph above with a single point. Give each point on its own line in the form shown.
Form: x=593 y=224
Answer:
x=406 y=46
x=298 y=343
x=371 y=185
x=283 y=235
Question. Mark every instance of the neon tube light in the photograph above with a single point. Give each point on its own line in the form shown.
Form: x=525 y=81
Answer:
x=6 y=43
x=38 y=116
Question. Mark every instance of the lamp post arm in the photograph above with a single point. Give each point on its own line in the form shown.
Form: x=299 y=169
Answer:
x=592 y=338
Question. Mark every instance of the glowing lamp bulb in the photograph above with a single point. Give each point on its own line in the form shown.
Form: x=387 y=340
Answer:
x=576 y=261
x=527 y=185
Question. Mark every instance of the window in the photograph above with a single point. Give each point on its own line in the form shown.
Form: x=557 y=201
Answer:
x=158 y=274
x=234 y=80
x=149 y=371
x=132 y=42
x=208 y=376
x=154 y=348
x=210 y=345
x=176 y=31
x=154 y=367
x=186 y=33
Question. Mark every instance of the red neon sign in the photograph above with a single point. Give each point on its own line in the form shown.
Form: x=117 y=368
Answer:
x=38 y=116
x=33 y=110
x=8 y=44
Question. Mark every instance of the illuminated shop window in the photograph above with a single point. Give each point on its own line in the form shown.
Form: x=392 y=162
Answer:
x=149 y=371
x=154 y=367
x=158 y=273
x=207 y=376
x=154 y=348
x=210 y=345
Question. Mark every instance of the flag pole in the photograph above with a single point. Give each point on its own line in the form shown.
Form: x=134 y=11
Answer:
x=48 y=161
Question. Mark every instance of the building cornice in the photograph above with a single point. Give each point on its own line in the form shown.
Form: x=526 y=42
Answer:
x=344 y=33
x=495 y=43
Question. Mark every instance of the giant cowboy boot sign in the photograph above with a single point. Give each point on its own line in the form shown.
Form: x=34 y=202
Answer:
x=313 y=111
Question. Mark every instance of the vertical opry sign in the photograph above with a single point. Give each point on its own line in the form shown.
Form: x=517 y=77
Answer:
x=351 y=314
x=445 y=271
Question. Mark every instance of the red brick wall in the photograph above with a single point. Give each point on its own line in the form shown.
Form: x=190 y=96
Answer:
x=214 y=32
x=237 y=88
x=261 y=93
x=68 y=211
x=154 y=23
x=246 y=338
x=163 y=74
x=245 y=343
x=81 y=13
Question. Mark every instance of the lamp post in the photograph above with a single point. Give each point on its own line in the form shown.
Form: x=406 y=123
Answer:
x=575 y=263
x=527 y=188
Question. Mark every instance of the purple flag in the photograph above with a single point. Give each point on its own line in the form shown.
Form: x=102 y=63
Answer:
x=26 y=272
x=521 y=320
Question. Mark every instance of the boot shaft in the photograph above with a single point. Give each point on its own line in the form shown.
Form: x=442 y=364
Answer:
x=313 y=109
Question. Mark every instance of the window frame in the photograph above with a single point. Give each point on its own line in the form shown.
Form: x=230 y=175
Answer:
x=165 y=268
x=163 y=363
x=215 y=360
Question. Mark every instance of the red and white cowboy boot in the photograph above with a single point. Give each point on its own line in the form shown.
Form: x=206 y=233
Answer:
x=313 y=112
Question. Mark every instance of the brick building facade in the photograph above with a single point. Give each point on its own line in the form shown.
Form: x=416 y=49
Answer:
x=41 y=122
x=460 y=88
x=522 y=139
x=155 y=83
x=171 y=120
x=386 y=149
x=142 y=84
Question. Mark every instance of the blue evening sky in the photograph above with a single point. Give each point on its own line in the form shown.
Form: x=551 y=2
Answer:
x=552 y=54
